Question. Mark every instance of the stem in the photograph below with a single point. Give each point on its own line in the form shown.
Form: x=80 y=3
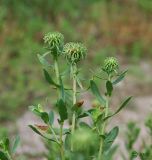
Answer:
x=103 y=130
x=56 y=67
x=61 y=125
x=61 y=142
x=73 y=70
x=104 y=125
x=52 y=130
x=9 y=156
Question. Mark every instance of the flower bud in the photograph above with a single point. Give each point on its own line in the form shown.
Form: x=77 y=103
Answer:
x=54 y=42
x=84 y=138
x=110 y=65
x=74 y=52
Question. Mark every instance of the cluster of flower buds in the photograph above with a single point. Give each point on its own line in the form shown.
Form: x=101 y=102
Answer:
x=54 y=42
x=110 y=65
x=74 y=52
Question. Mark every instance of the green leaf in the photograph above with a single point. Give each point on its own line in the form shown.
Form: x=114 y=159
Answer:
x=39 y=133
x=36 y=131
x=79 y=82
x=7 y=144
x=45 y=117
x=62 y=110
x=48 y=78
x=120 y=78
x=85 y=125
x=86 y=113
x=15 y=144
x=96 y=92
x=110 y=137
x=119 y=109
x=43 y=61
x=110 y=154
x=109 y=88
x=51 y=117
x=134 y=154
x=38 y=110
x=3 y=156
x=35 y=110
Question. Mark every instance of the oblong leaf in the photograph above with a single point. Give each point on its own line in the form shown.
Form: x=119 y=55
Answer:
x=39 y=133
x=110 y=137
x=43 y=61
x=15 y=144
x=62 y=110
x=120 y=78
x=120 y=108
x=45 y=117
x=51 y=117
x=48 y=78
x=96 y=92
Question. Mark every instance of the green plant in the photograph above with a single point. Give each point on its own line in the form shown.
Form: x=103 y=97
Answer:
x=78 y=138
x=132 y=134
x=7 y=151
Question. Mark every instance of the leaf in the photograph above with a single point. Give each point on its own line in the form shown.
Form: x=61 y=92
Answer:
x=15 y=144
x=43 y=61
x=85 y=125
x=51 y=117
x=45 y=117
x=110 y=137
x=109 y=155
x=48 y=78
x=39 y=112
x=120 y=78
x=7 y=144
x=86 y=113
x=35 y=110
x=62 y=110
x=134 y=154
x=77 y=108
x=109 y=88
x=3 y=156
x=79 y=82
x=96 y=92
x=39 y=133
x=119 y=109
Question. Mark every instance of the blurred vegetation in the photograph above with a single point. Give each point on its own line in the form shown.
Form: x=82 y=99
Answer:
x=106 y=26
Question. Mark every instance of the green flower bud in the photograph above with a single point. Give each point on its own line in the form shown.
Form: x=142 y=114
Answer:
x=110 y=65
x=74 y=52
x=96 y=113
x=84 y=138
x=54 y=42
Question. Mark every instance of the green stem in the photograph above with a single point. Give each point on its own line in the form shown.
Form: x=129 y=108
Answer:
x=61 y=142
x=104 y=125
x=54 y=134
x=9 y=156
x=73 y=70
x=56 y=67
x=103 y=130
x=61 y=125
